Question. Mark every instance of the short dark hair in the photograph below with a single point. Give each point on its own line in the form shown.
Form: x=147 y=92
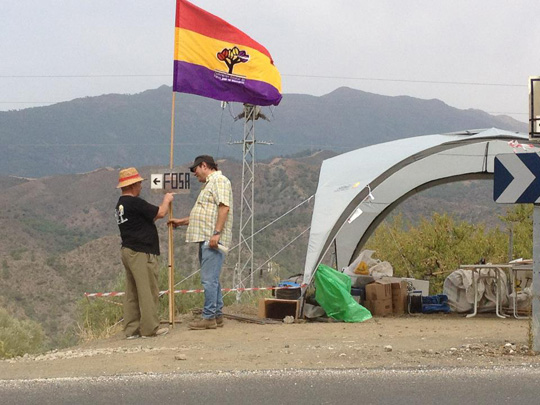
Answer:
x=209 y=160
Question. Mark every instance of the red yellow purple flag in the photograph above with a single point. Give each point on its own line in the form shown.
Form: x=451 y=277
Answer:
x=214 y=59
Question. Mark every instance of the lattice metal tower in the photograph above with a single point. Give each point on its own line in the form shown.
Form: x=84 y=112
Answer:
x=247 y=210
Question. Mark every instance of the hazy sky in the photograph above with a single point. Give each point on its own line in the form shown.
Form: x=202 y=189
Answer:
x=467 y=53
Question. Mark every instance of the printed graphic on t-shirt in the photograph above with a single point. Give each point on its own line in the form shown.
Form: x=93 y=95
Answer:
x=119 y=214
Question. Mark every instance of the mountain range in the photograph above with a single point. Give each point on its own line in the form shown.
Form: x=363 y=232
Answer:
x=135 y=130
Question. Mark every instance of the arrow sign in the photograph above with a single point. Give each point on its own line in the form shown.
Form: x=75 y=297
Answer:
x=156 y=181
x=516 y=178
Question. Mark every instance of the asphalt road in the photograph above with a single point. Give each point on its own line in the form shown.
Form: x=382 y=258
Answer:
x=439 y=386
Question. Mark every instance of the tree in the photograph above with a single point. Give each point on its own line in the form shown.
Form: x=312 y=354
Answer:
x=519 y=222
x=232 y=56
x=436 y=246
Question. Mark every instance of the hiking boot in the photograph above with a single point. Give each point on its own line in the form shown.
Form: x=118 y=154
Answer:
x=134 y=336
x=159 y=332
x=219 y=322
x=202 y=324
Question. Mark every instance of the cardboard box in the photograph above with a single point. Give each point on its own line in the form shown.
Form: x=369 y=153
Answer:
x=378 y=291
x=418 y=285
x=278 y=309
x=399 y=297
x=379 y=307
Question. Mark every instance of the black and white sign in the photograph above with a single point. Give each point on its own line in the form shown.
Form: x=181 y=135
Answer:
x=517 y=178
x=171 y=182
x=156 y=181
x=176 y=181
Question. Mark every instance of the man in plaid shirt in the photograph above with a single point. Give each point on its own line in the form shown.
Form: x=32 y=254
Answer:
x=210 y=225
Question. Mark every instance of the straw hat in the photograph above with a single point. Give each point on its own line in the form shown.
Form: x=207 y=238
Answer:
x=128 y=177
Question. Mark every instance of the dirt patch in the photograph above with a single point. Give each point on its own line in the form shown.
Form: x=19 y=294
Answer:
x=409 y=341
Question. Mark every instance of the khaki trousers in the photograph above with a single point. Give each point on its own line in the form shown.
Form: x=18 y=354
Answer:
x=141 y=300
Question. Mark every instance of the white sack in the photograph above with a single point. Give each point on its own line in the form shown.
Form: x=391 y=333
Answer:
x=364 y=256
x=380 y=270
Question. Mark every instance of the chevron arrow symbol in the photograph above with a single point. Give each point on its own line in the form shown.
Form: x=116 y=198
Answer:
x=517 y=178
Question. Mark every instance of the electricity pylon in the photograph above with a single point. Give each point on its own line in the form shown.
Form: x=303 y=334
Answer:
x=250 y=114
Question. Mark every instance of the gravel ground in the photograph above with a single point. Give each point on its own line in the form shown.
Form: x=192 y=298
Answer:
x=420 y=341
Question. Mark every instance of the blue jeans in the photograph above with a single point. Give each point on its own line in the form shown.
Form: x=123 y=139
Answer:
x=211 y=261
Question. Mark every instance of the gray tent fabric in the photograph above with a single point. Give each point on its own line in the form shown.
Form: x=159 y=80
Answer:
x=368 y=183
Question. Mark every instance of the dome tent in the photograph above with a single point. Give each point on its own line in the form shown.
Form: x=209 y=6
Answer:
x=358 y=189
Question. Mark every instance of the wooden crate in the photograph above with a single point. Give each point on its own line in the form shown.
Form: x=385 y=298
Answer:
x=274 y=308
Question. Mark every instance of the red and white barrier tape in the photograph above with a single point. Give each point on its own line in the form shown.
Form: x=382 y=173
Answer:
x=516 y=145
x=199 y=290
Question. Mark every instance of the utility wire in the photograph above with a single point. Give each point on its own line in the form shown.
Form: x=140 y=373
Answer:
x=398 y=247
x=73 y=76
x=277 y=253
x=271 y=110
x=260 y=230
x=458 y=83
x=376 y=79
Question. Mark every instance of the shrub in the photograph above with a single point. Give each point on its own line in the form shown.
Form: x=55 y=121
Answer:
x=436 y=246
x=19 y=337
x=99 y=317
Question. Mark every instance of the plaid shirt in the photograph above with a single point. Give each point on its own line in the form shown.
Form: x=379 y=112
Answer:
x=203 y=217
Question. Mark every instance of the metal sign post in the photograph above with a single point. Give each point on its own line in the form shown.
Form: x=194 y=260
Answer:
x=534 y=136
x=534 y=108
x=536 y=280
x=516 y=180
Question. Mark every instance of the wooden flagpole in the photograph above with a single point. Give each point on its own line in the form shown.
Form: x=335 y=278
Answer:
x=171 y=245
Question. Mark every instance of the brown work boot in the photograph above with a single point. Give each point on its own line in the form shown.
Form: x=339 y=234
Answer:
x=202 y=324
x=219 y=322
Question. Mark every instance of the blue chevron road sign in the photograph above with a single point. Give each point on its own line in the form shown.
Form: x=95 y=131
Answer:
x=516 y=178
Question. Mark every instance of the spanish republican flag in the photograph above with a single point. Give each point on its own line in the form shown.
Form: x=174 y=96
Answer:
x=214 y=59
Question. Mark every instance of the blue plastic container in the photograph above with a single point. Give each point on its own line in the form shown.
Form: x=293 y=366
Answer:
x=359 y=293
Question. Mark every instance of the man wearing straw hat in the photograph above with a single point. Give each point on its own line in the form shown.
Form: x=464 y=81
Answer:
x=140 y=248
x=210 y=225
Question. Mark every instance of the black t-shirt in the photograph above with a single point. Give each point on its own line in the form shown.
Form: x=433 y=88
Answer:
x=135 y=218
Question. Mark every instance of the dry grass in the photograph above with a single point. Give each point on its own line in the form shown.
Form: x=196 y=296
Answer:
x=88 y=334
